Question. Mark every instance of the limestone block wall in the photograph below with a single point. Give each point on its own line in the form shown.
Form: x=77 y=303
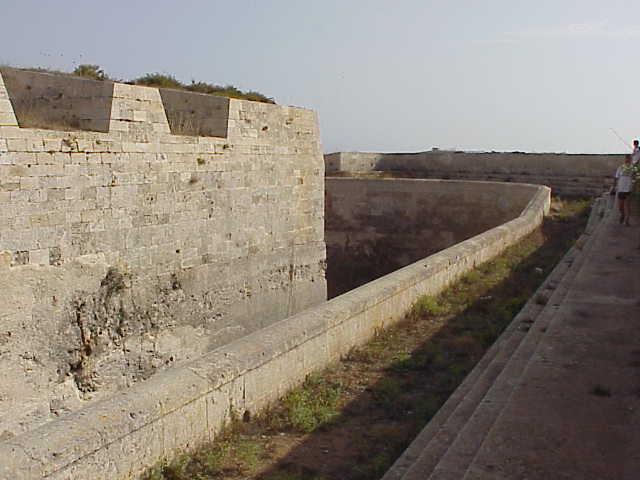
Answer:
x=566 y=174
x=376 y=226
x=184 y=406
x=134 y=249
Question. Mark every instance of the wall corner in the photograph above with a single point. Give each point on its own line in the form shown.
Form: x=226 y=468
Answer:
x=7 y=115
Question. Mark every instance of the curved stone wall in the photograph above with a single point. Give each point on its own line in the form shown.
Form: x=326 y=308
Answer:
x=376 y=226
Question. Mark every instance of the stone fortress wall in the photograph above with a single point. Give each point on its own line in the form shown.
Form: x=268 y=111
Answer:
x=566 y=174
x=139 y=229
x=232 y=241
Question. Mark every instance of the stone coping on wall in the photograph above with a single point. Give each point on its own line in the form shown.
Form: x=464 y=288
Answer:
x=177 y=409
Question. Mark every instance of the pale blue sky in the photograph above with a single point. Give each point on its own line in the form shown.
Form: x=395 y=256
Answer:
x=406 y=75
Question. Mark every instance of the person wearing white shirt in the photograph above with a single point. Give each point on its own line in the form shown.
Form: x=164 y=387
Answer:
x=635 y=155
x=624 y=178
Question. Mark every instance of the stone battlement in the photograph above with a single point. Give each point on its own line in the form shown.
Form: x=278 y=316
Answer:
x=142 y=228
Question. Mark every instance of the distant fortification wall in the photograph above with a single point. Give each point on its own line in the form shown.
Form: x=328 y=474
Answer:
x=566 y=174
x=141 y=228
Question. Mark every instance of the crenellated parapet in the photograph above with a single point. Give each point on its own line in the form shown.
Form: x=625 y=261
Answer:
x=140 y=228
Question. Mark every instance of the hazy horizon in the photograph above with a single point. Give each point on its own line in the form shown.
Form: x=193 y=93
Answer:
x=405 y=77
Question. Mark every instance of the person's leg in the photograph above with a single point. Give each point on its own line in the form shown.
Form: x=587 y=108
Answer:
x=627 y=210
x=621 y=206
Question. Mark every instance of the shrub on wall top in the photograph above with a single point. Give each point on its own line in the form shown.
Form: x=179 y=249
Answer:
x=161 y=80
x=93 y=72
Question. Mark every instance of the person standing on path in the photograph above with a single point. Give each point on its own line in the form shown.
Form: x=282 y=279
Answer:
x=635 y=160
x=635 y=154
x=624 y=179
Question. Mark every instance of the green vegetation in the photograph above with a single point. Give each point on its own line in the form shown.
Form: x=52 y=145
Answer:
x=232 y=454
x=94 y=72
x=427 y=305
x=158 y=80
x=161 y=80
x=353 y=420
x=307 y=408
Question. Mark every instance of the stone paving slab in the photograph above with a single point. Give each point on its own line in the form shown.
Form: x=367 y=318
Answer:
x=554 y=425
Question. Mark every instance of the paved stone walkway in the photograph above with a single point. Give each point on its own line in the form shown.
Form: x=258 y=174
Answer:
x=576 y=412
x=572 y=411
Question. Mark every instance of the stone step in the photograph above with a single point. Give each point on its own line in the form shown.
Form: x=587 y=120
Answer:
x=434 y=439
x=462 y=451
x=514 y=371
x=430 y=450
x=437 y=436
x=555 y=425
x=471 y=429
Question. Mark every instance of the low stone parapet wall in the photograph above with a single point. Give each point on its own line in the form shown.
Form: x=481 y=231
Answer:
x=182 y=407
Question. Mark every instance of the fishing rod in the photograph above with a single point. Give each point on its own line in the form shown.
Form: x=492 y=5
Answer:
x=619 y=137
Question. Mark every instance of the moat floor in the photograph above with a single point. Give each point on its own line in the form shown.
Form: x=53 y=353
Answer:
x=574 y=413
